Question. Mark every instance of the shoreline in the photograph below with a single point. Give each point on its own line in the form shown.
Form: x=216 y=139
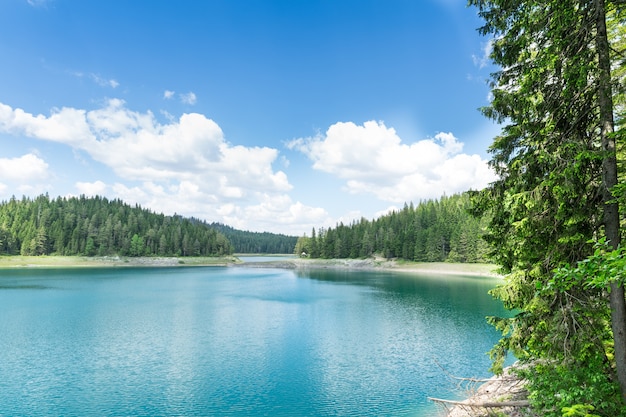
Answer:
x=379 y=264
x=53 y=261
x=503 y=395
x=370 y=264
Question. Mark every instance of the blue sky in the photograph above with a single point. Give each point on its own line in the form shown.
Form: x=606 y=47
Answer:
x=268 y=115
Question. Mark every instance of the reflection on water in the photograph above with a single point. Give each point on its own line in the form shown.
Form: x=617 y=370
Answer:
x=237 y=341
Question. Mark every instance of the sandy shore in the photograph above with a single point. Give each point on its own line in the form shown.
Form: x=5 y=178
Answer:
x=288 y=263
x=487 y=270
x=502 y=395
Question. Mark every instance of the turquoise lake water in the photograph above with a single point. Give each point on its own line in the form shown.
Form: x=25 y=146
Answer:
x=236 y=341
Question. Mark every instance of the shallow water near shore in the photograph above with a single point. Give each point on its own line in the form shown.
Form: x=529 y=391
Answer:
x=232 y=341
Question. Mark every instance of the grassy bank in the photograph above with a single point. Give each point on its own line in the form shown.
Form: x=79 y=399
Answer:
x=19 y=261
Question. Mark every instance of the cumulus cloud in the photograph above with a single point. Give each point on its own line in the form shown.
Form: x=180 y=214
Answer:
x=373 y=159
x=25 y=168
x=28 y=174
x=63 y=125
x=91 y=188
x=183 y=165
x=137 y=147
x=168 y=94
x=278 y=213
x=266 y=212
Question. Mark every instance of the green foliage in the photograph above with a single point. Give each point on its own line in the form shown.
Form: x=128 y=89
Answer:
x=97 y=226
x=570 y=388
x=604 y=266
x=549 y=202
x=303 y=246
x=579 y=410
x=255 y=242
x=137 y=246
x=440 y=230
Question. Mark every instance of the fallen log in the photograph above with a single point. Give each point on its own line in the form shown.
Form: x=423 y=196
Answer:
x=486 y=404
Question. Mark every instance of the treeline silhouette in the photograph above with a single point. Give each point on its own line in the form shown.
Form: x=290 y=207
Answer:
x=433 y=231
x=257 y=242
x=97 y=226
x=441 y=230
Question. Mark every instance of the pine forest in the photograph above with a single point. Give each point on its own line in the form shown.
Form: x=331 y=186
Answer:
x=97 y=226
x=440 y=230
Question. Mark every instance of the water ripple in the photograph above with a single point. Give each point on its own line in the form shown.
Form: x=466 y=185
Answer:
x=236 y=342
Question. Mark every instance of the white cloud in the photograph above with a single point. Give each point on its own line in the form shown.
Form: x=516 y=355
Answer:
x=65 y=125
x=267 y=212
x=103 y=82
x=24 y=169
x=188 y=98
x=97 y=78
x=38 y=3
x=185 y=98
x=137 y=147
x=91 y=188
x=372 y=159
x=27 y=174
x=482 y=60
x=386 y=211
x=181 y=166
x=280 y=214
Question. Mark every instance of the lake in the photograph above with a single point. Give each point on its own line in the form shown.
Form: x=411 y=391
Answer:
x=237 y=341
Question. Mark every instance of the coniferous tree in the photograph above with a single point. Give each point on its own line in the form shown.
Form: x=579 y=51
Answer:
x=97 y=226
x=256 y=242
x=425 y=233
x=556 y=164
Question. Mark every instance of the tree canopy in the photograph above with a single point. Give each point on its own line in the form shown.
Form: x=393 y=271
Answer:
x=256 y=242
x=97 y=226
x=433 y=231
x=556 y=160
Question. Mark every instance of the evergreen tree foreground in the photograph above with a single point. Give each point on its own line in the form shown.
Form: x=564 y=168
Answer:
x=555 y=220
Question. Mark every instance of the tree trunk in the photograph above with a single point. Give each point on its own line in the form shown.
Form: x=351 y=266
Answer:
x=609 y=179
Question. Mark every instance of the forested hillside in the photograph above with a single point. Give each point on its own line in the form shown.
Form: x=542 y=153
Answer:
x=97 y=226
x=255 y=242
x=558 y=206
x=433 y=231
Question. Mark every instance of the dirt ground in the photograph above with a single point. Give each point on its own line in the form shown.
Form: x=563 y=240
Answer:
x=494 y=393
